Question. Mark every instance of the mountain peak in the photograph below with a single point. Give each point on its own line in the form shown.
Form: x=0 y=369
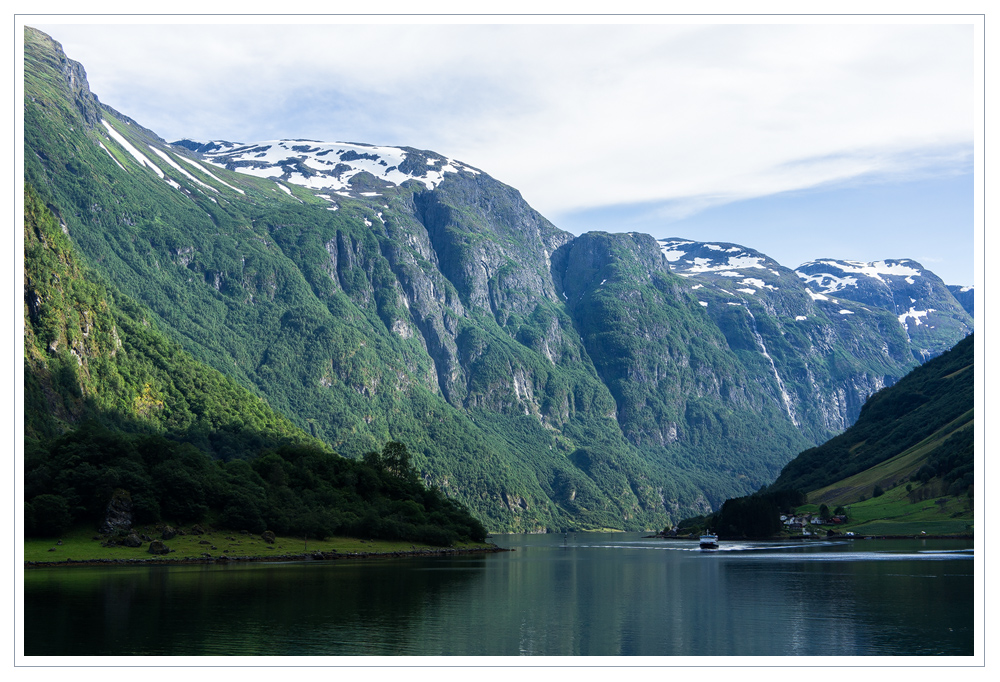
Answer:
x=831 y=275
x=336 y=166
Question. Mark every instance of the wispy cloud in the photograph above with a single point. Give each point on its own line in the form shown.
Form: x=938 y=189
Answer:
x=575 y=117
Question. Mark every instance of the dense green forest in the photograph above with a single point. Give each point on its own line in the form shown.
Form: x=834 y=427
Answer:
x=114 y=409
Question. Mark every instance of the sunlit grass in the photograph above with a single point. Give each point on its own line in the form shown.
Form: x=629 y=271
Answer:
x=894 y=513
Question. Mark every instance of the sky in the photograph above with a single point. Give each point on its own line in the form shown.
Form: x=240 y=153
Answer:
x=801 y=141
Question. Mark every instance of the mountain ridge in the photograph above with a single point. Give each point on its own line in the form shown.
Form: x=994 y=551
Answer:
x=547 y=380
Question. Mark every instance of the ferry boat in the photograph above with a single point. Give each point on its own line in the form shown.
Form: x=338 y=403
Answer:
x=709 y=541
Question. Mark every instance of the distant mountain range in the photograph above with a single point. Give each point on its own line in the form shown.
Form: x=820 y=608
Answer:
x=549 y=381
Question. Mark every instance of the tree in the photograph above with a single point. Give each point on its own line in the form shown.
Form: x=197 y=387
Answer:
x=50 y=514
x=824 y=512
x=396 y=459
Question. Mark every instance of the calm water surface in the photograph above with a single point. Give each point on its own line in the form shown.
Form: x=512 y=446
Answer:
x=583 y=594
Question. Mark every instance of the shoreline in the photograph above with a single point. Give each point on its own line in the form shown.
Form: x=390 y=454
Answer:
x=280 y=558
x=804 y=538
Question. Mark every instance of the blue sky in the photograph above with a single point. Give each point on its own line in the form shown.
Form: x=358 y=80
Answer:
x=929 y=220
x=802 y=141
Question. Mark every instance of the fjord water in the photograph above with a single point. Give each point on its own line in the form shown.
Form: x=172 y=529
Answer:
x=581 y=594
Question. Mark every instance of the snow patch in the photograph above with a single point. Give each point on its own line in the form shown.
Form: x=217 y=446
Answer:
x=330 y=165
x=136 y=154
x=829 y=283
x=176 y=166
x=874 y=269
x=204 y=170
x=116 y=160
x=915 y=315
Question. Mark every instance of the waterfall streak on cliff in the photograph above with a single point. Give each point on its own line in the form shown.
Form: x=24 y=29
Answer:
x=781 y=384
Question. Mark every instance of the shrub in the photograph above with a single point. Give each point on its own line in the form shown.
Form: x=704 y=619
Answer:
x=51 y=515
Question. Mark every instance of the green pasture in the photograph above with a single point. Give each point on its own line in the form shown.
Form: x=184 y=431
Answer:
x=80 y=545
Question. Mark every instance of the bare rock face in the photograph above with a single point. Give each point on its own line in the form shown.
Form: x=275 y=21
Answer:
x=118 y=516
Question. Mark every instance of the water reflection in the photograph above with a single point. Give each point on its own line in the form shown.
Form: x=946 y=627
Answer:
x=615 y=595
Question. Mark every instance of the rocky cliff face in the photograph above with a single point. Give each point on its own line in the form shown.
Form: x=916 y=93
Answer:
x=376 y=293
x=966 y=297
x=930 y=316
x=824 y=353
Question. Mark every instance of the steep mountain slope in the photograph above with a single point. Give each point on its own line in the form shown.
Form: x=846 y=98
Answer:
x=924 y=305
x=115 y=411
x=343 y=318
x=930 y=407
x=89 y=355
x=822 y=356
x=966 y=297
x=387 y=293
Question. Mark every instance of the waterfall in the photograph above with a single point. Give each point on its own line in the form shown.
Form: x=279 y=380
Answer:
x=781 y=384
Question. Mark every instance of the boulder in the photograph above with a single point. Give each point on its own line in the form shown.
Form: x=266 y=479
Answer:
x=268 y=537
x=118 y=514
x=132 y=540
x=169 y=533
x=157 y=547
x=197 y=530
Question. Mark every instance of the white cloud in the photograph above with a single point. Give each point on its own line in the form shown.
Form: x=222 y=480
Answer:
x=573 y=116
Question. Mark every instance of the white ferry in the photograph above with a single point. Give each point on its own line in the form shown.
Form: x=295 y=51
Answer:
x=709 y=541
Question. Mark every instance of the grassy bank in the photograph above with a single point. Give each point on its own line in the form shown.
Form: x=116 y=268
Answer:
x=80 y=544
x=902 y=512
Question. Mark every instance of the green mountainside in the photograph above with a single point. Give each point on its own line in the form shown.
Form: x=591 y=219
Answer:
x=544 y=380
x=921 y=429
x=115 y=411
x=906 y=467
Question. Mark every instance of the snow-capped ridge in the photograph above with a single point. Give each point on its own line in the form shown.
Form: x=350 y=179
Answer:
x=328 y=165
x=830 y=275
x=721 y=258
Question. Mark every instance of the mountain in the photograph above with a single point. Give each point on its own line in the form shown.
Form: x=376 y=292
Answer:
x=966 y=297
x=825 y=356
x=373 y=294
x=115 y=411
x=928 y=312
x=923 y=426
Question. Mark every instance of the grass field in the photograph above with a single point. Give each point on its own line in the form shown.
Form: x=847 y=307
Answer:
x=894 y=513
x=80 y=545
x=886 y=474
